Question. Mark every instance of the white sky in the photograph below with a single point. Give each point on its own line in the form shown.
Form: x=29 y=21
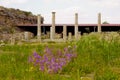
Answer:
x=65 y=9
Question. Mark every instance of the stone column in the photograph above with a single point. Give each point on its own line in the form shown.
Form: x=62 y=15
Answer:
x=64 y=32
x=26 y=36
x=69 y=36
x=94 y=28
x=39 y=27
x=99 y=22
x=76 y=26
x=53 y=25
x=79 y=35
x=51 y=33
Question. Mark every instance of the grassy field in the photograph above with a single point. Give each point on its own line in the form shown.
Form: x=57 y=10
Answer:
x=97 y=58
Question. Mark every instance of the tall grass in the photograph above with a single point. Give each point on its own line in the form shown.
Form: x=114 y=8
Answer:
x=97 y=54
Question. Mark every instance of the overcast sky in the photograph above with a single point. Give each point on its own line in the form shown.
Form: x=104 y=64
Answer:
x=65 y=9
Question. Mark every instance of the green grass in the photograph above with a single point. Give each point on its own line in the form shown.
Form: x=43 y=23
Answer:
x=97 y=58
x=98 y=55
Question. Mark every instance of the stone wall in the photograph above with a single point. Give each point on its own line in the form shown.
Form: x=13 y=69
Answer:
x=16 y=36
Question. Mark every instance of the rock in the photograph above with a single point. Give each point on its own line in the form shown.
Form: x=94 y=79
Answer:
x=10 y=17
x=2 y=43
x=86 y=78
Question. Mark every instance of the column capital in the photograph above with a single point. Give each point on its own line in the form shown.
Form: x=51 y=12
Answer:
x=53 y=12
x=38 y=14
x=76 y=13
x=99 y=13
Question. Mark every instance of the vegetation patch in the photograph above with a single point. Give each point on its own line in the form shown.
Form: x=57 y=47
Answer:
x=92 y=57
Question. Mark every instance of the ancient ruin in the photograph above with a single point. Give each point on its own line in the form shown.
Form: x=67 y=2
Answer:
x=28 y=27
x=65 y=32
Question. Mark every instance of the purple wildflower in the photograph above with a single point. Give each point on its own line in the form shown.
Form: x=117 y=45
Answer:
x=50 y=62
x=53 y=60
x=42 y=68
x=65 y=49
x=45 y=58
x=59 y=53
x=48 y=51
x=36 y=55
